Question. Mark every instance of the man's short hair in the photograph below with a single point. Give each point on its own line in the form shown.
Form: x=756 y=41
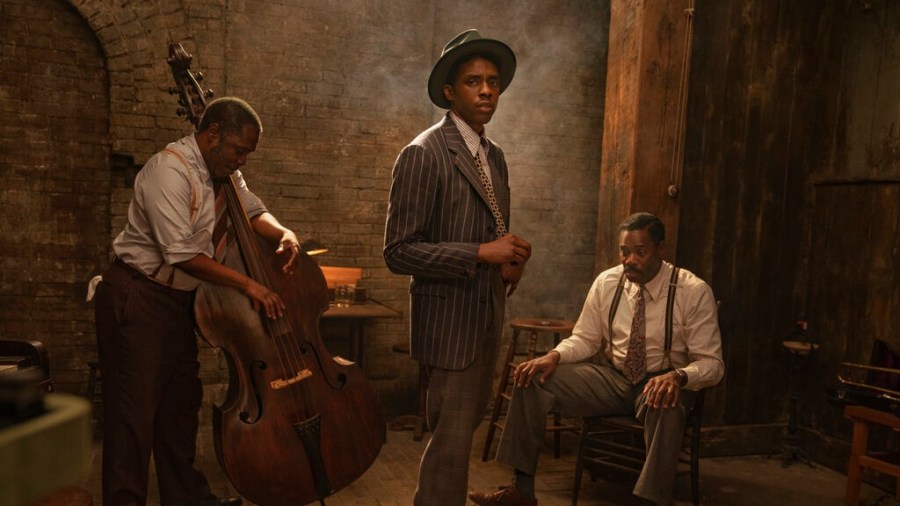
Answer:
x=231 y=114
x=453 y=73
x=640 y=221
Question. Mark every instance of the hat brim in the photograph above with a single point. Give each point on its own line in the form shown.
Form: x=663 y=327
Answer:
x=503 y=55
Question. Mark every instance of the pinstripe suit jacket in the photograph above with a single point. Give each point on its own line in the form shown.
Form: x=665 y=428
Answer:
x=438 y=215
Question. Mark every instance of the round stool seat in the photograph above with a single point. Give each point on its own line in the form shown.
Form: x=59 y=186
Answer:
x=542 y=325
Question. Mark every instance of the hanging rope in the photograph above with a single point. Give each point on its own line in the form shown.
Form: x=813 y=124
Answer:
x=675 y=169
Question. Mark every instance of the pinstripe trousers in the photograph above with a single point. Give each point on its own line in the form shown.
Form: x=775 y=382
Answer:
x=455 y=407
x=151 y=389
x=587 y=389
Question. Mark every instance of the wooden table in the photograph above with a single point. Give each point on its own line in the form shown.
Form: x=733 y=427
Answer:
x=886 y=462
x=354 y=317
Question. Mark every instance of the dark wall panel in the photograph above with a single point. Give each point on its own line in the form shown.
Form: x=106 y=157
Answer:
x=854 y=285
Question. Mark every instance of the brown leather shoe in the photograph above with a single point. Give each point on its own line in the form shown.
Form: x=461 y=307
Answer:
x=508 y=496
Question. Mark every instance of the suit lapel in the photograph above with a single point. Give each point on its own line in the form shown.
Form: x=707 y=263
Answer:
x=461 y=157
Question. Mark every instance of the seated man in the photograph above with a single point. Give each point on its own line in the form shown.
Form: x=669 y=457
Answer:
x=645 y=379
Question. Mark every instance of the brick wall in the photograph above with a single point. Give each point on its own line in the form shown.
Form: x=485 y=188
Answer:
x=340 y=87
x=54 y=204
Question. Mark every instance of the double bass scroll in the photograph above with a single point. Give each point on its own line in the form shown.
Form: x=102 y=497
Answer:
x=296 y=424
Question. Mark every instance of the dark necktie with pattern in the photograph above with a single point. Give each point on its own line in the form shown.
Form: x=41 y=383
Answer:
x=635 y=366
x=499 y=223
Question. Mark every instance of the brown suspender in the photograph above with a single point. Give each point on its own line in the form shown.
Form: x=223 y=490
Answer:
x=617 y=296
x=195 y=207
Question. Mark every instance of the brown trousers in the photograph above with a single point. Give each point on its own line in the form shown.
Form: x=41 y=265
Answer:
x=151 y=389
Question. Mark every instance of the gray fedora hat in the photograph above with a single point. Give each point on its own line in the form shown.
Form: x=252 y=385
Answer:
x=466 y=44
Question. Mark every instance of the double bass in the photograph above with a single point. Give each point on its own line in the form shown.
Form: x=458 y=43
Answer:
x=296 y=424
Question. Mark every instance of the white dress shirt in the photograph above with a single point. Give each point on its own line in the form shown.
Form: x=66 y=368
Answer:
x=696 y=342
x=477 y=144
x=172 y=214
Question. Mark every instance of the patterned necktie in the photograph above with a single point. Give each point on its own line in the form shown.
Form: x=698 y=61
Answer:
x=220 y=231
x=499 y=223
x=635 y=366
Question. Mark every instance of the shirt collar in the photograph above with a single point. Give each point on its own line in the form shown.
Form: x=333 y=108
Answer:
x=470 y=136
x=189 y=148
x=654 y=288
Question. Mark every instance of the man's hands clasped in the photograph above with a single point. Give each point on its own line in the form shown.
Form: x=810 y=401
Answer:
x=509 y=248
x=510 y=252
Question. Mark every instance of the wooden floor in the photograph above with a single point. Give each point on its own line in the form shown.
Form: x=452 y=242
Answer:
x=733 y=481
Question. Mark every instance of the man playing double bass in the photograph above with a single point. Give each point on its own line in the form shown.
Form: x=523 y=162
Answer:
x=144 y=306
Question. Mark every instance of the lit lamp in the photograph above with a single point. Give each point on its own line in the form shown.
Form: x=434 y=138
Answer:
x=313 y=247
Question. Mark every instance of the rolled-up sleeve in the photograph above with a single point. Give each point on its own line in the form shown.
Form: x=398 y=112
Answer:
x=167 y=196
x=253 y=205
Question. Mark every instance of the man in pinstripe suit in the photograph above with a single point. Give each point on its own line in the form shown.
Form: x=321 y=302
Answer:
x=447 y=228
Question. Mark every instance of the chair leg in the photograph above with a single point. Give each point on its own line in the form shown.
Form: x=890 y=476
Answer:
x=854 y=470
x=579 y=463
x=498 y=399
x=695 y=420
x=556 y=435
x=695 y=468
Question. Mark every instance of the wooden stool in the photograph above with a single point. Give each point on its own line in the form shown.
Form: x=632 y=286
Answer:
x=419 y=425
x=885 y=462
x=533 y=327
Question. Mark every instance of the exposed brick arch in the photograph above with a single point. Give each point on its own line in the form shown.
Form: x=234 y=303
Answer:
x=55 y=198
x=134 y=37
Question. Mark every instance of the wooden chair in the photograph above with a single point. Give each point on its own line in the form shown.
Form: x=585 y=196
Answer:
x=887 y=462
x=616 y=443
x=533 y=327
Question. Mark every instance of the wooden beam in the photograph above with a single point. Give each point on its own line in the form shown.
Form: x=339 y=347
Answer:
x=641 y=129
